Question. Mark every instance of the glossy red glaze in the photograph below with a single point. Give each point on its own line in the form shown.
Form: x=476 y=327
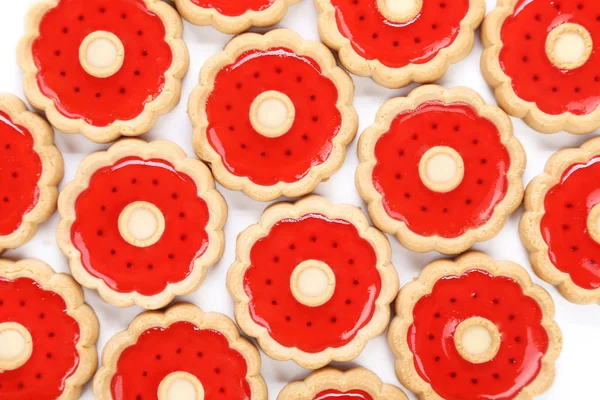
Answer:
x=337 y=395
x=55 y=336
x=288 y=158
x=405 y=196
x=101 y=101
x=122 y=266
x=564 y=225
x=182 y=347
x=312 y=237
x=534 y=78
x=499 y=299
x=20 y=171
x=233 y=8
x=398 y=44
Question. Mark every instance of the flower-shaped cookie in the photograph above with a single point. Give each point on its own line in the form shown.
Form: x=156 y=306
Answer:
x=397 y=42
x=312 y=282
x=542 y=59
x=273 y=115
x=329 y=384
x=475 y=328
x=141 y=223
x=30 y=169
x=234 y=16
x=47 y=333
x=181 y=354
x=104 y=68
x=440 y=169
x=561 y=225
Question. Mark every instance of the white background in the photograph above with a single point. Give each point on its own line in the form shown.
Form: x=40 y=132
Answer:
x=577 y=375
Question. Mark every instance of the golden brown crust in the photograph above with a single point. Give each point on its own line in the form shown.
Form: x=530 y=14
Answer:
x=408 y=238
x=530 y=226
x=329 y=68
x=180 y=312
x=162 y=104
x=400 y=77
x=502 y=83
x=423 y=285
x=201 y=176
x=234 y=24
x=330 y=378
x=312 y=204
x=52 y=170
x=83 y=314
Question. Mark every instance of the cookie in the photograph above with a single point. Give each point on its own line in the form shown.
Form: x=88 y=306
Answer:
x=330 y=383
x=399 y=42
x=103 y=68
x=561 y=225
x=474 y=328
x=47 y=333
x=31 y=168
x=440 y=169
x=181 y=354
x=273 y=114
x=141 y=223
x=541 y=57
x=234 y=16
x=312 y=282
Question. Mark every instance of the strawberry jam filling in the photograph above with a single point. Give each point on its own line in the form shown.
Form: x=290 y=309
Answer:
x=234 y=8
x=273 y=305
x=564 y=226
x=525 y=60
x=337 y=395
x=405 y=196
x=55 y=334
x=269 y=160
x=417 y=41
x=78 y=94
x=182 y=347
x=123 y=266
x=501 y=300
x=20 y=171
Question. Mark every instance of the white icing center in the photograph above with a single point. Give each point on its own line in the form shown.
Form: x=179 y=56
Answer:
x=441 y=169
x=181 y=389
x=180 y=386
x=399 y=10
x=272 y=114
x=141 y=224
x=593 y=223
x=16 y=345
x=569 y=46
x=312 y=283
x=476 y=340
x=101 y=54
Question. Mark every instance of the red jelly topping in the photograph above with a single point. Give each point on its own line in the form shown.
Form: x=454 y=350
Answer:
x=477 y=294
x=55 y=336
x=564 y=225
x=534 y=78
x=288 y=158
x=337 y=395
x=20 y=171
x=233 y=8
x=121 y=265
x=398 y=44
x=101 y=101
x=267 y=282
x=405 y=196
x=181 y=347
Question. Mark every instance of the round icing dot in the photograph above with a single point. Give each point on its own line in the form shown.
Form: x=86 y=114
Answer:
x=180 y=386
x=441 y=169
x=101 y=54
x=400 y=10
x=477 y=340
x=569 y=46
x=141 y=223
x=593 y=223
x=272 y=114
x=312 y=283
x=16 y=345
